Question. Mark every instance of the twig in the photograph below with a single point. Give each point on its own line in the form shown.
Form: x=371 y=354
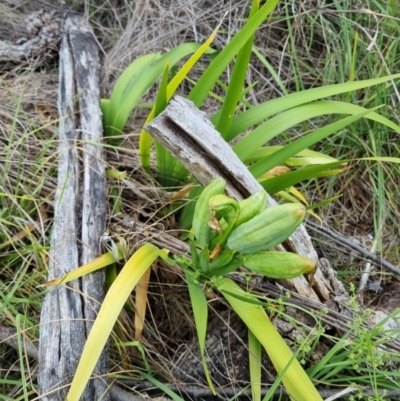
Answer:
x=233 y=391
x=338 y=238
x=367 y=271
x=119 y=394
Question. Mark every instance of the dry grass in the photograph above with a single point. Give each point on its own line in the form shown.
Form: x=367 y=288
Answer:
x=28 y=128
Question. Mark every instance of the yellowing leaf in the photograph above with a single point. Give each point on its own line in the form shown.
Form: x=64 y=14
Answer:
x=114 y=301
x=95 y=264
x=140 y=303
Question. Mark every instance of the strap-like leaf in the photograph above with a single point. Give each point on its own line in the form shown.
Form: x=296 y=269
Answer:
x=295 y=379
x=265 y=110
x=200 y=312
x=115 y=299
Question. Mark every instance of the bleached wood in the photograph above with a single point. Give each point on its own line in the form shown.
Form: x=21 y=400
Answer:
x=192 y=139
x=79 y=220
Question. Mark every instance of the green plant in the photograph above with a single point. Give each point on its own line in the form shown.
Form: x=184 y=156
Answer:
x=29 y=152
x=212 y=257
x=280 y=114
x=239 y=44
x=270 y=119
x=133 y=84
x=360 y=358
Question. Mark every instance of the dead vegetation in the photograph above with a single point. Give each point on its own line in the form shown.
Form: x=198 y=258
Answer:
x=28 y=140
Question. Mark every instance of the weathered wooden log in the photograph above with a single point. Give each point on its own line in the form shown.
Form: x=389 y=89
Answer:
x=43 y=28
x=79 y=219
x=193 y=140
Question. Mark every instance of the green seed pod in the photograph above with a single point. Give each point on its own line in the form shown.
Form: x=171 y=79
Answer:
x=268 y=229
x=278 y=265
x=202 y=212
x=252 y=206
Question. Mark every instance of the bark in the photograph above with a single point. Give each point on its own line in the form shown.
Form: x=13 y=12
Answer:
x=192 y=139
x=79 y=221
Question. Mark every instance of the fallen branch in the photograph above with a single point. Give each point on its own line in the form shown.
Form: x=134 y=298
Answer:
x=79 y=219
x=44 y=37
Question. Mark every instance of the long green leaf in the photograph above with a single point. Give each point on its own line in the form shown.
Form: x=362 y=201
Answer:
x=275 y=106
x=293 y=148
x=237 y=79
x=115 y=299
x=217 y=67
x=130 y=75
x=162 y=158
x=124 y=103
x=281 y=182
x=200 y=312
x=276 y=184
x=302 y=158
x=290 y=118
x=90 y=267
x=186 y=215
x=105 y=108
x=295 y=380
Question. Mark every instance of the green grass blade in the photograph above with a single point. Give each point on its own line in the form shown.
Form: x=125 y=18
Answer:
x=267 y=109
x=287 y=119
x=380 y=159
x=21 y=357
x=270 y=69
x=216 y=68
x=115 y=299
x=237 y=79
x=162 y=387
x=293 y=148
x=295 y=380
x=323 y=203
x=200 y=312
